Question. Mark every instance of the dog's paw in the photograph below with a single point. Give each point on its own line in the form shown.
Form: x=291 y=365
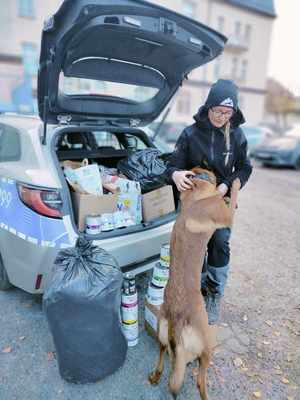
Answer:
x=154 y=377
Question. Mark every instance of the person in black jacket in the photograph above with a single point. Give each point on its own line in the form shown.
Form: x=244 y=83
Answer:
x=215 y=141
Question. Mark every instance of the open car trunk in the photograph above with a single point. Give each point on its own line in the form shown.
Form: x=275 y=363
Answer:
x=105 y=147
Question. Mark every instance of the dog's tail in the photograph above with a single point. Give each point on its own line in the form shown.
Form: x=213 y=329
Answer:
x=178 y=361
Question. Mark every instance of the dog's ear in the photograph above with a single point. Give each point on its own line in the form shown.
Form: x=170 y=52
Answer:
x=208 y=215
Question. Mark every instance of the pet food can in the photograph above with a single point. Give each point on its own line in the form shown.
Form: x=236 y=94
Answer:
x=155 y=295
x=93 y=224
x=160 y=275
x=119 y=219
x=165 y=255
x=129 y=310
x=107 y=222
x=131 y=332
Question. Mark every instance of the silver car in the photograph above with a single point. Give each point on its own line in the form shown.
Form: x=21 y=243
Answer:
x=105 y=72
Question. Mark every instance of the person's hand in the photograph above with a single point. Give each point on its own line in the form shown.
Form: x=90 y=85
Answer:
x=223 y=189
x=182 y=181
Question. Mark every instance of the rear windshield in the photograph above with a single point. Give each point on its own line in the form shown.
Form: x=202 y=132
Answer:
x=80 y=86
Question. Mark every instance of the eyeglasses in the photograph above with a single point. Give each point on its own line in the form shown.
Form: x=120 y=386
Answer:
x=218 y=113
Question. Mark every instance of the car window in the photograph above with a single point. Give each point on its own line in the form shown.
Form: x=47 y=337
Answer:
x=107 y=139
x=10 y=144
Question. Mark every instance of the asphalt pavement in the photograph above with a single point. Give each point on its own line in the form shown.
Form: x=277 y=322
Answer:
x=258 y=356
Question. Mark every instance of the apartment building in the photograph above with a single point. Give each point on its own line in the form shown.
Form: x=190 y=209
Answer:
x=247 y=24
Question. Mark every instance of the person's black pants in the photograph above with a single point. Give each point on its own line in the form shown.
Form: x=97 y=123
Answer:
x=216 y=266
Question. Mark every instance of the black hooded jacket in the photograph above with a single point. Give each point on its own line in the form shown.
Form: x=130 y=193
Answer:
x=202 y=144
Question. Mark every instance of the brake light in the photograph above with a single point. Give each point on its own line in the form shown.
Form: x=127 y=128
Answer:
x=44 y=202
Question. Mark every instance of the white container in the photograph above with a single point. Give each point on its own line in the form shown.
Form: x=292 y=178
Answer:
x=160 y=275
x=155 y=295
x=107 y=222
x=131 y=332
x=93 y=224
x=165 y=255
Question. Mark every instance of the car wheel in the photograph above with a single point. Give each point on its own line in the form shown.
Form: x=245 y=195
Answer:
x=297 y=164
x=4 y=281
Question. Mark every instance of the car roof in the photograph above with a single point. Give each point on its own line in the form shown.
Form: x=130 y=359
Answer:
x=21 y=121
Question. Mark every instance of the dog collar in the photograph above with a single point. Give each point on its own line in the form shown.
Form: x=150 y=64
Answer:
x=205 y=177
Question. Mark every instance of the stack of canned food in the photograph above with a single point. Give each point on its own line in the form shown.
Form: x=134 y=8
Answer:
x=160 y=277
x=129 y=310
x=95 y=224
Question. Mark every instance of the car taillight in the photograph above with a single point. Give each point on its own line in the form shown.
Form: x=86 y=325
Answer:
x=44 y=202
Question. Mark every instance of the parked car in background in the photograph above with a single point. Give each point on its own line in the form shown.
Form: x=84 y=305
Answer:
x=169 y=131
x=256 y=135
x=280 y=151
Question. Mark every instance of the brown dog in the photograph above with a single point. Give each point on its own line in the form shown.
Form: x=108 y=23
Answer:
x=183 y=327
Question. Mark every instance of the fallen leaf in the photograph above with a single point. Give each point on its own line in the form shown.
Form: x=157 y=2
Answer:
x=266 y=342
x=289 y=358
x=7 y=350
x=276 y=333
x=50 y=356
x=257 y=395
x=22 y=337
x=245 y=318
x=268 y=322
x=278 y=372
x=224 y=324
x=290 y=398
x=277 y=366
x=244 y=369
x=285 y=381
x=238 y=362
x=259 y=355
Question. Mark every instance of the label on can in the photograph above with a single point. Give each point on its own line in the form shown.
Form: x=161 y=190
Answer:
x=93 y=224
x=129 y=308
x=165 y=255
x=131 y=332
x=155 y=295
x=160 y=275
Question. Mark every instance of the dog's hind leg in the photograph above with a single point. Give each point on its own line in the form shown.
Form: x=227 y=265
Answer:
x=201 y=380
x=155 y=376
x=178 y=371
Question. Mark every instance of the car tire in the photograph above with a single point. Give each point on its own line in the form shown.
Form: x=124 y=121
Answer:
x=297 y=164
x=4 y=281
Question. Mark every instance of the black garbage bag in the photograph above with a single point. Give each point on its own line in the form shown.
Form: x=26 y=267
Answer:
x=82 y=305
x=146 y=167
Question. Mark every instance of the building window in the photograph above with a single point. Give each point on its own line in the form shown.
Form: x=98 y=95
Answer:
x=217 y=68
x=234 y=67
x=189 y=8
x=237 y=29
x=184 y=103
x=247 y=34
x=30 y=58
x=244 y=69
x=26 y=8
x=221 y=24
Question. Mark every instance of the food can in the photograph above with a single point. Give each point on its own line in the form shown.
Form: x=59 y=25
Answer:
x=131 y=332
x=155 y=295
x=119 y=219
x=160 y=275
x=129 y=308
x=93 y=224
x=165 y=255
x=107 y=222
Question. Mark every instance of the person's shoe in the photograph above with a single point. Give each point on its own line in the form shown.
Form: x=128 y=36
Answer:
x=213 y=305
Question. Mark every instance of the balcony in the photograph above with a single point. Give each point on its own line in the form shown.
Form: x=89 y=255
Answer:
x=237 y=44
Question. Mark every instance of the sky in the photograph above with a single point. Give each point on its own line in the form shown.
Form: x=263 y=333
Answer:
x=284 y=61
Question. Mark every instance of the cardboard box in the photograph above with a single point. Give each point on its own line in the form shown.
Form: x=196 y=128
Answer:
x=157 y=203
x=151 y=319
x=87 y=204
